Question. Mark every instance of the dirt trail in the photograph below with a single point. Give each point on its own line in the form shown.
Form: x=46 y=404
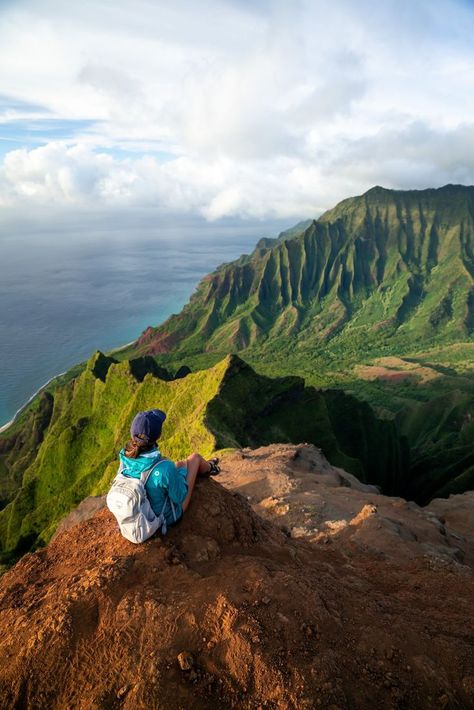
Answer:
x=261 y=619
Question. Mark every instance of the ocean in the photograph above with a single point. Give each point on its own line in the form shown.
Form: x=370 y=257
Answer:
x=67 y=291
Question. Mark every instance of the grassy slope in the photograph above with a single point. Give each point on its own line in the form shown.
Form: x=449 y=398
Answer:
x=382 y=271
x=228 y=405
x=89 y=423
x=388 y=273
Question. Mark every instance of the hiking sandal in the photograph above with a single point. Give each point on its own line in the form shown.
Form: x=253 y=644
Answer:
x=215 y=468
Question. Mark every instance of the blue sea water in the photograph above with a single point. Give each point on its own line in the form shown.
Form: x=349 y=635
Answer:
x=68 y=291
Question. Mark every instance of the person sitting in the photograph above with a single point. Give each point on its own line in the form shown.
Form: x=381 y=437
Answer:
x=170 y=485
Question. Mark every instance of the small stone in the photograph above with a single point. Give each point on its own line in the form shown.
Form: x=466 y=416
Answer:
x=123 y=691
x=185 y=660
x=444 y=701
x=193 y=675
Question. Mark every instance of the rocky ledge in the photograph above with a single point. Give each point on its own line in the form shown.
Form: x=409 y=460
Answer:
x=332 y=596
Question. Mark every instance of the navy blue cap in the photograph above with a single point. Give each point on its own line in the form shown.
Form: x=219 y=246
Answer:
x=147 y=425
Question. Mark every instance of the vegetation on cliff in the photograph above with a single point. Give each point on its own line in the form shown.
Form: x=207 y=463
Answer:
x=375 y=298
x=374 y=301
x=385 y=269
x=228 y=405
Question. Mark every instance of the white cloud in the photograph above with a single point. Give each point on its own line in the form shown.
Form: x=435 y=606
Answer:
x=261 y=109
x=77 y=176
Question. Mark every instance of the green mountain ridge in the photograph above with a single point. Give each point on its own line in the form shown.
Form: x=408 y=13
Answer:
x=389 y=263
x=228 y=405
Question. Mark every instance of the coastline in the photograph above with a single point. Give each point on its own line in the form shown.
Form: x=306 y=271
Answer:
x=6 y=426
x=121 y=347
x=171 y=296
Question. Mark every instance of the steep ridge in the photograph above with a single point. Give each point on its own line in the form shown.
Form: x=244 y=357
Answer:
x=397 y=264
x=88 y=425
x=228 y=405
x=384 y=277
x=442 y=452
x=18 y=447
x=228 y=611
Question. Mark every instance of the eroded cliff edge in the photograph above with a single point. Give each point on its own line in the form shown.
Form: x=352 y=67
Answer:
x=343 y=598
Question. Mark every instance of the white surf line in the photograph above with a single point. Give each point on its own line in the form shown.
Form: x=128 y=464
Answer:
x=122 y=347
x=23 y=406
x=14 y=418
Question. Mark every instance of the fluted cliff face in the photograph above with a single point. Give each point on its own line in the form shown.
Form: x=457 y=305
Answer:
x=398 y=264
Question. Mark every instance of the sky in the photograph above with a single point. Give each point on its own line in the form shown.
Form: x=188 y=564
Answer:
x=250 y=109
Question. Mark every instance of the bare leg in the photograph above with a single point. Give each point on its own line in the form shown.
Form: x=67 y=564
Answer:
x=195 y=465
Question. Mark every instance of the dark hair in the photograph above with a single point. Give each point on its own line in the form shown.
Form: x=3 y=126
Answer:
x=134 y=448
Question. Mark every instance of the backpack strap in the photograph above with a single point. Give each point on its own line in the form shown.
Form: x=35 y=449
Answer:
x=145 y=475
x=173 y=509
x=163 y=525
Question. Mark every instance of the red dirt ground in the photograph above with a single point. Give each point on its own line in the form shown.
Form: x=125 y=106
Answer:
x=264 y=620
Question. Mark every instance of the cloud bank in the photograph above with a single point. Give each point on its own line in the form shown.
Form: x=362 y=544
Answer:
x=230 y=108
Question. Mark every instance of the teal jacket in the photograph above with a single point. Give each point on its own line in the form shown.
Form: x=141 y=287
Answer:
x=166 y=479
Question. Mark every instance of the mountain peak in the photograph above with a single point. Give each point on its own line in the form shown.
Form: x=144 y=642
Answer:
x=449 y=188
x=377 y=189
